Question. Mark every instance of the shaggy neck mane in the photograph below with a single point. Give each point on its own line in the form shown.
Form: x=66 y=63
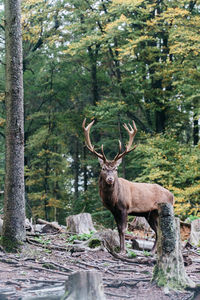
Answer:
x=108 y=193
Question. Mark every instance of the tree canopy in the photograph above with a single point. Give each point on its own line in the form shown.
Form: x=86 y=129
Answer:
x=112 y=61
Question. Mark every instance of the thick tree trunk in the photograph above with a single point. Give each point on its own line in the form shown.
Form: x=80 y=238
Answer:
x=14 y=203
x=85 y=285
x=169 y=270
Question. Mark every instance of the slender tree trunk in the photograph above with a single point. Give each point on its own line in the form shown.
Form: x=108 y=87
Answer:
x=76 y=171
x=195 y=124
x=14 y=202
x=85 y=172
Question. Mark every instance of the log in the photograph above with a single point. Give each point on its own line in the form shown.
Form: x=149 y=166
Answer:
x=85 y=285
x=54 y=225
x=169 y=271
x=141 y=244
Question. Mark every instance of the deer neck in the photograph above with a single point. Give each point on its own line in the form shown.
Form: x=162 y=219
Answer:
x=108 y=193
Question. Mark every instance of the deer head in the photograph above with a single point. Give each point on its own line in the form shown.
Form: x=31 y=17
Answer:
x=109 y=167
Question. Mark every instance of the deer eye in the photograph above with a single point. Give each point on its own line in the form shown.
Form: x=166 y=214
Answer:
x=103 y=168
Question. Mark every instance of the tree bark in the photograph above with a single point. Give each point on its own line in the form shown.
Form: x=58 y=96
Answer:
x=14 y=202
x=85 y=285
x=169 y=270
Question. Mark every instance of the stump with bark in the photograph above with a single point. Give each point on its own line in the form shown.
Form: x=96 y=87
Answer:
x=85 y=285
x=169 y=270
x=79 y=224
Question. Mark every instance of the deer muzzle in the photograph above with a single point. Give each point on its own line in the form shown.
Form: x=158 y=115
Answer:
x=110 y=179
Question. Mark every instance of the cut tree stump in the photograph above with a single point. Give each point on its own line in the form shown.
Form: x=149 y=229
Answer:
x=85 y=285
x=195 y=233
x=79 y=224
x=169 y=271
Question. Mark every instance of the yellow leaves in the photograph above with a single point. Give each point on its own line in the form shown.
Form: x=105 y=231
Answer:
x=130 y=48
x=32 y=2
x=2 y=122
x=117 y=24
x=2 y=97
x=53 y=202
x=132 y=3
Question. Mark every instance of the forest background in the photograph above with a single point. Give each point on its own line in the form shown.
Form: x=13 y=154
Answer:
x=114 y=61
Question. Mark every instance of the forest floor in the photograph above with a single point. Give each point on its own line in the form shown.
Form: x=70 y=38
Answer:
x=42 y=268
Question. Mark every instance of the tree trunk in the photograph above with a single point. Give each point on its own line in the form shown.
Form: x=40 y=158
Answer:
x=14 y=202
x=85 y=285
x=169 y=270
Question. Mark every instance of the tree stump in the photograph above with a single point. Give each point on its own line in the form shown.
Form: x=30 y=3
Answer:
x=79 y=224
x=195 y=232
x=169 y=270
x=85 y=285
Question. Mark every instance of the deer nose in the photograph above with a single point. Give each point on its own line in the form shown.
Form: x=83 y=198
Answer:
x=110 y=180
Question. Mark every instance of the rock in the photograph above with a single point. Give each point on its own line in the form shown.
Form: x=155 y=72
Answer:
x=194 y=238
x=79 y=224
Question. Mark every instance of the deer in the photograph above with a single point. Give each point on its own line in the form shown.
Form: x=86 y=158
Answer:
x=123 y=197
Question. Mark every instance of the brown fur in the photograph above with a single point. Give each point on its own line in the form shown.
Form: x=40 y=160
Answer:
x=124 y=198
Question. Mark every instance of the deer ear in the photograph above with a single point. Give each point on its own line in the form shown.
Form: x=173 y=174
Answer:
x=101 y=161
x=118 y=162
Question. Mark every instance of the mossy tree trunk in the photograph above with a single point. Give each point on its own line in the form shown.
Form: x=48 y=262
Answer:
x=169 y=270
x=14 y=203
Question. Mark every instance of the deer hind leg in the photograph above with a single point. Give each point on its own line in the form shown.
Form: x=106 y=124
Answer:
x=152 y=219
x=121 y=220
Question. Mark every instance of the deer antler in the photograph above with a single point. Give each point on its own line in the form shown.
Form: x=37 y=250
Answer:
x=131 y=132
x=88 y=142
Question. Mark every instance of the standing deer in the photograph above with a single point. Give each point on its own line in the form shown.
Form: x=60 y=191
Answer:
x=123 y=197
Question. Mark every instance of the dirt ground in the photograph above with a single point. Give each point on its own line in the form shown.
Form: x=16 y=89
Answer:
x=46 y=262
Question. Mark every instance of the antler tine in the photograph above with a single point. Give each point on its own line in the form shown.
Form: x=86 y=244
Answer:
x=120 y=148
x=87 y=134
x=104 y=157
x=88 y=142
x=131 y=132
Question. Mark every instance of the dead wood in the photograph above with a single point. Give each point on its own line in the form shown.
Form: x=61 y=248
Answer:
x=53 y=225
x=169 y=270
x=132 y=261
x=46 y=246
x=80 y=223
x=89 y=284
x=142 y=244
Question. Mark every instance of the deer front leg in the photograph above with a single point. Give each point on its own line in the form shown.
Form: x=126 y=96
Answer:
x=121 y=220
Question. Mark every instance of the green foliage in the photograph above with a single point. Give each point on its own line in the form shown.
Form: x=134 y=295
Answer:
x=164 y=160
x=113 y=61
x=80 y=237
x=131 y=254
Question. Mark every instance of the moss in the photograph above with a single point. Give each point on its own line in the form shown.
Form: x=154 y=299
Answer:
x=159 y=276
x=117 y=249
x=93 y=243
x=162 y=279
x=11 y=245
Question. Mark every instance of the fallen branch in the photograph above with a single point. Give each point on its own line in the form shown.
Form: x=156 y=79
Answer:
x=55 y=226
x=137 y=262
x=38 y=243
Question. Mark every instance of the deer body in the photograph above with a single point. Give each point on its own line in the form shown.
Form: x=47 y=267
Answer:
x=123 y=197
